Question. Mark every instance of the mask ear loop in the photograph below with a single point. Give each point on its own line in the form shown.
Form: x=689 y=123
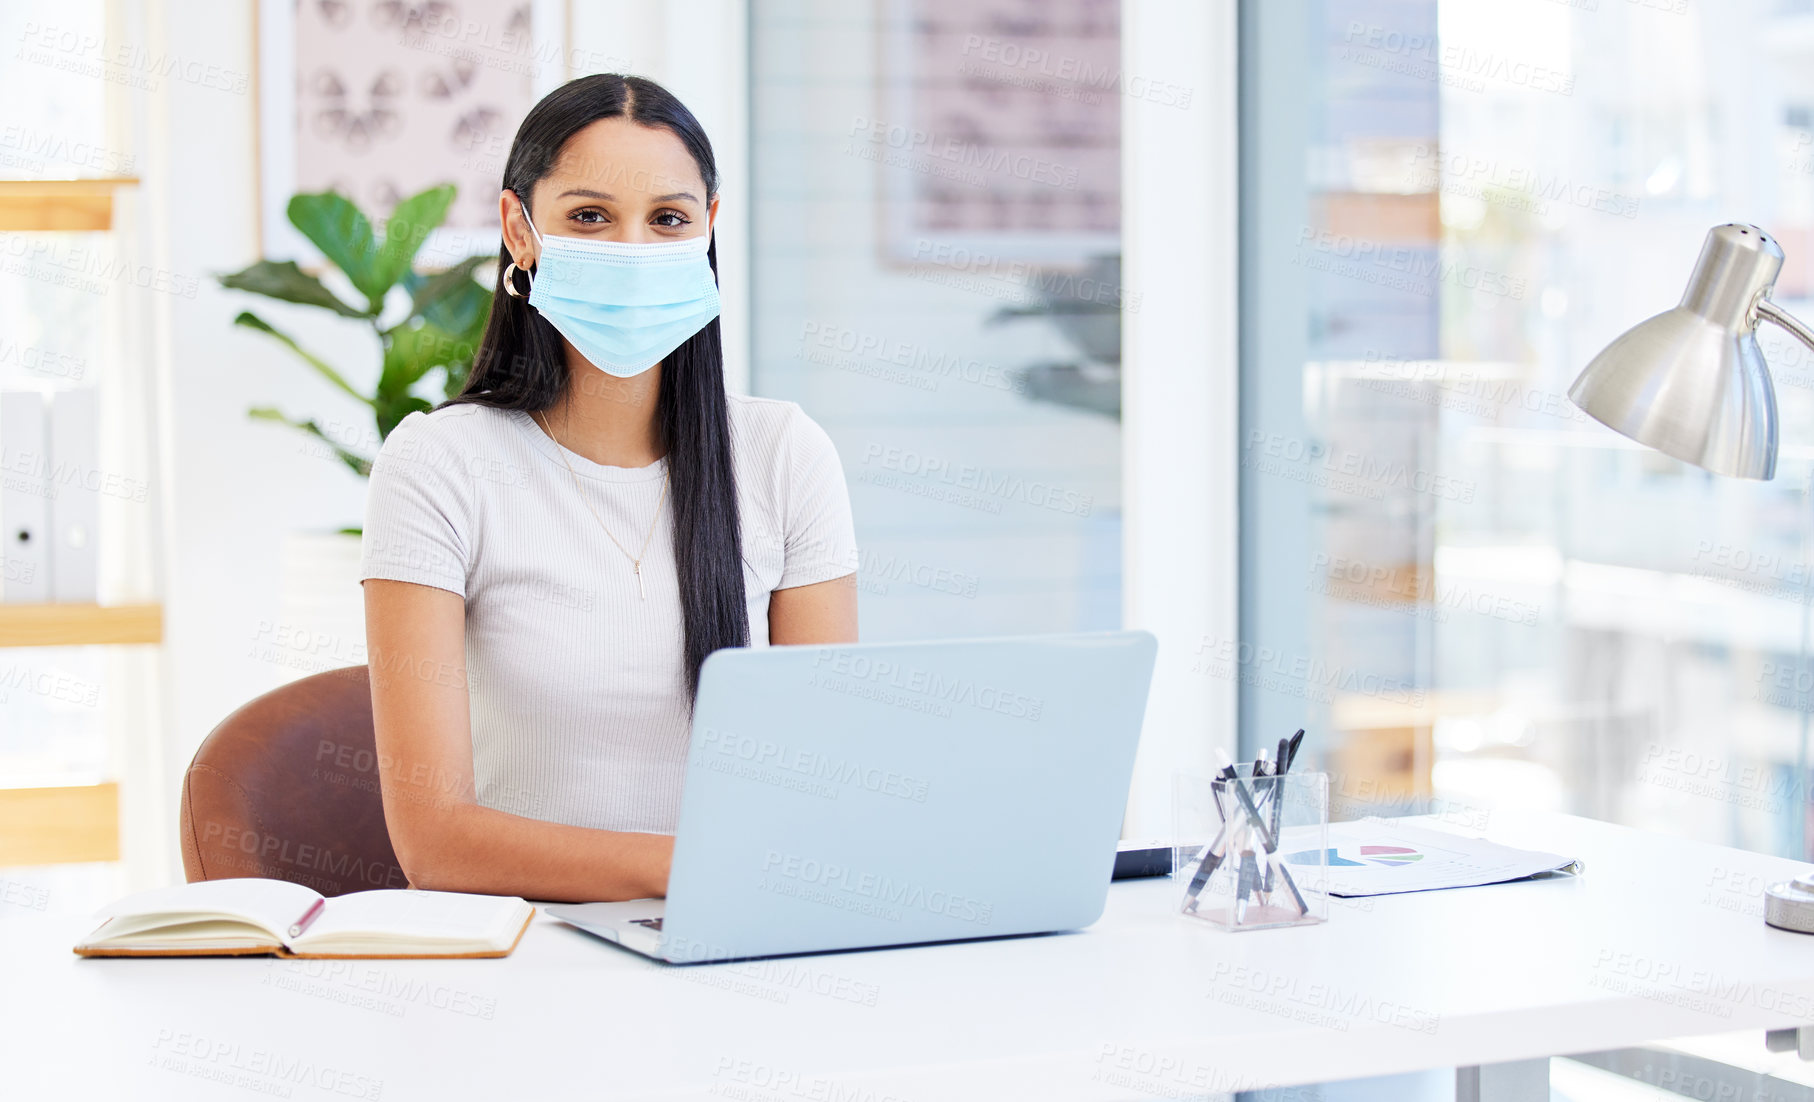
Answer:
x=511 y=270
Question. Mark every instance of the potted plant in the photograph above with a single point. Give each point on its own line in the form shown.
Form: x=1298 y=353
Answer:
x=426 y=353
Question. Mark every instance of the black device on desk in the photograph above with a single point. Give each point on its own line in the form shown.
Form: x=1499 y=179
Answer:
x=1136 y=859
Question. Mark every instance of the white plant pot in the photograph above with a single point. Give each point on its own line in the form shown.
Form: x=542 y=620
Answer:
x=321 y=606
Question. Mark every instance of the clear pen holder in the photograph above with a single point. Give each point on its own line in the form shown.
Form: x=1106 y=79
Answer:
x=1252 y=853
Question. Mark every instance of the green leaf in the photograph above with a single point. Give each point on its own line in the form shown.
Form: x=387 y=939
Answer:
x=477 y=320
x=253 y=321
x=392 y=411
x=344 y=236
x=412 y=351
x=425 y=290
x=448 y=310
x=449 y=299
x=291 y=284
x=454 y=377
x=361 y=466
x=463 y=313
x=408 y=226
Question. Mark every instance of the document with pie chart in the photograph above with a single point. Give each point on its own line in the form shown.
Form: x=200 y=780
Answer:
x=1385 y=857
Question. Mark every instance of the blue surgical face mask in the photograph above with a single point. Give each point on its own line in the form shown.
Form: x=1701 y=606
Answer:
x=624 y=306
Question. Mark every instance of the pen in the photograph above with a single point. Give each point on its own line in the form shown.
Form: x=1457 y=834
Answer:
x=1212 y=857
x=1217 y=851
x=1287 y=750
x=1278 y=794
x=1290 y=754
x=1275 y=860
x=1267 y=841
x=308 y=918
x=1249 y=881
x=1261 y=768
x=1247 y=804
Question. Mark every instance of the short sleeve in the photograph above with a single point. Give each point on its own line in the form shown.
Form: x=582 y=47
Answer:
x=418 y=511
x=820 y=541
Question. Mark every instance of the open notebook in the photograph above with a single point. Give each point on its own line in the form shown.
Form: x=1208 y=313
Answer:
x=255 y=916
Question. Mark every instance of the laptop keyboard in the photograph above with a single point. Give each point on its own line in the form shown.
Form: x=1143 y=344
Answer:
x=651 y=923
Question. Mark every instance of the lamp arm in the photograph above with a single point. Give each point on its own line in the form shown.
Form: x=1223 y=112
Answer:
x=1775 y=313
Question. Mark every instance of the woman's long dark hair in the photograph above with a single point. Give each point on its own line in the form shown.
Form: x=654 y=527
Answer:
x=521 y=364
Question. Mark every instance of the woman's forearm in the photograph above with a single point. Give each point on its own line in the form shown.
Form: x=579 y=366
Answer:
x=444 y=838
x=465 y=847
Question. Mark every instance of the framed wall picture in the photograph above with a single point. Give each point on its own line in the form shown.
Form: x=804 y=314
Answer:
x=379 y=99
x=998 y=130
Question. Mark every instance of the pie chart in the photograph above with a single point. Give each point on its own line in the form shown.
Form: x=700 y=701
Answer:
x=1309 y=857
x=1389 y=856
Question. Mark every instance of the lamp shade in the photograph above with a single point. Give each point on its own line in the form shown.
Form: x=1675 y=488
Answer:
x=1691 y=382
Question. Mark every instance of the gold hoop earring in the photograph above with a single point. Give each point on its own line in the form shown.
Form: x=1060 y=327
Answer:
x=510 y=274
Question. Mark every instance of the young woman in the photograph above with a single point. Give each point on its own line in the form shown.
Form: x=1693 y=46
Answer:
x=551 y=555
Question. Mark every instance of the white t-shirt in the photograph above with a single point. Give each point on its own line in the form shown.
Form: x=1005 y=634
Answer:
x=580 y=711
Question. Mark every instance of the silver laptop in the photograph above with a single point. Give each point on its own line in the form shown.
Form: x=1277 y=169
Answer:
x=871 y=795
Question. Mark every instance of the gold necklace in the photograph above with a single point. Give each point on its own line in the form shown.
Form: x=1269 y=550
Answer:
x=636 y=559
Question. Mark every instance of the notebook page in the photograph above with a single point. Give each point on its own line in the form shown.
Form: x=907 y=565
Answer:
x=268 y=904
x=200 y=934
x=415 y=916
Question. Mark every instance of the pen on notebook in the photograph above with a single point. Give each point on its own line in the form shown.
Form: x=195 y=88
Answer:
x=308 y=917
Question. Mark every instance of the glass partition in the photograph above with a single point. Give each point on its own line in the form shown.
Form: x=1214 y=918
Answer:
x=1472 y=592
x=936 y=281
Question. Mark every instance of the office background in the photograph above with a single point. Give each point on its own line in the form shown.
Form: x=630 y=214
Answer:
x=1268 y=358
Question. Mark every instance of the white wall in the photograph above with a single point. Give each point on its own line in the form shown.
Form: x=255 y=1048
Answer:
x=1180 y=389
x=234 y=487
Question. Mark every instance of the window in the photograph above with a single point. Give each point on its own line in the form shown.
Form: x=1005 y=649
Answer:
x=1480 y=595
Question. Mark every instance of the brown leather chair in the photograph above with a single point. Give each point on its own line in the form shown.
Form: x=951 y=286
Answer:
x=287 y=788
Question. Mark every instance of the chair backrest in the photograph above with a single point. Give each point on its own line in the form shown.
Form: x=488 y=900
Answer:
x=287 y=788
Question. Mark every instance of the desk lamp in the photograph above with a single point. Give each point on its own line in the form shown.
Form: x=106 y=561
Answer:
x=1691 y=383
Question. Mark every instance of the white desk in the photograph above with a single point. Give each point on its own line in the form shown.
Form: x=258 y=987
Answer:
x=1649 y=944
